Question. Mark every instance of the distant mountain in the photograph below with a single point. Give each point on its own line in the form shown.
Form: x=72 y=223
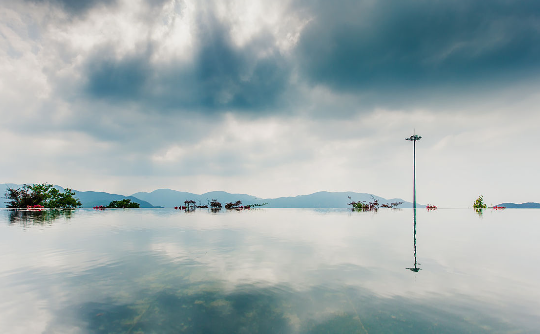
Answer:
x=88 y=198
x=528 y=205
x=324 y=199
x=170 y=198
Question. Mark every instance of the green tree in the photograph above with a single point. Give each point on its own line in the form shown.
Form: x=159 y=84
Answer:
x=479 y=203
x=41 y=194
x=124 y=203
x=23 y=197
x=64 y=199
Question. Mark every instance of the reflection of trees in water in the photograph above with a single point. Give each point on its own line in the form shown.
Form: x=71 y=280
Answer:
x=480 y=212
x=26 y=218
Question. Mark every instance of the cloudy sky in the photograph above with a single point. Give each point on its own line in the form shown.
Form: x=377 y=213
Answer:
x=273 y=98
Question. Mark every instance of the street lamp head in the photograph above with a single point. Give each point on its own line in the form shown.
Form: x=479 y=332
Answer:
x=414 y=138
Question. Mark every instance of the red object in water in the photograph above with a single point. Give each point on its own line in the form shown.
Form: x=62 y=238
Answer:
x=176 y=208
x=431 y=207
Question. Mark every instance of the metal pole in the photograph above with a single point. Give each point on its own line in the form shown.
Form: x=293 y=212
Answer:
x=414 y=174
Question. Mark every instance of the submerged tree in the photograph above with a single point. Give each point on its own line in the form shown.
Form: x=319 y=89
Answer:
x=363 y=206
x=255 y=205
x=41 y=194
x=124 y=203
x=215 y=205
x=392 y=205
x=190 y=204
x=235 y=205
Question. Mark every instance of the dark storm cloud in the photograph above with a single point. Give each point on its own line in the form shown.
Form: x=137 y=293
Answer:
x=385 y=44
x=221 y=75
x=76 y=7
x=125 y=79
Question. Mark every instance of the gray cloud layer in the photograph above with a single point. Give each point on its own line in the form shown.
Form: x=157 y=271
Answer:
x=220 y=75
x=385 y=46
x=76 y=7
x=368 y=45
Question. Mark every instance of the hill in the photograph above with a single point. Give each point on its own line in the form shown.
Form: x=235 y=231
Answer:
x=90 y=199
x=169 y=198
x=528 y=205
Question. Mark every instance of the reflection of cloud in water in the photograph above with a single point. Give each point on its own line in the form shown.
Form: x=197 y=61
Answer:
x=318 y=269
x=294 y=250
x=273 y=310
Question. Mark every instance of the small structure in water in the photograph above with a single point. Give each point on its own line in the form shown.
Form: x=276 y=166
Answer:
x=189 y=205
x=215 y=205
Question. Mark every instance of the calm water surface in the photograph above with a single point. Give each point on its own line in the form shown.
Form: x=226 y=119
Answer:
x=269 y=271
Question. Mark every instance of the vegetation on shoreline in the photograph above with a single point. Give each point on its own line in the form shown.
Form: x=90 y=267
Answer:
x=41 y=195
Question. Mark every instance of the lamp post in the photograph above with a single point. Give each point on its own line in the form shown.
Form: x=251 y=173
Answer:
x=414 y=138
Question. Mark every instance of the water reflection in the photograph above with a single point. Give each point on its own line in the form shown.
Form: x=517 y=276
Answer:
x=270 y=310
x=268 y=271
x=40 y=217
x=415 y=268
x=480 y=212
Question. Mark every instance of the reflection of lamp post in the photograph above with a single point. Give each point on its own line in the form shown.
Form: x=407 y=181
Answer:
x=415 y=269
x=414 y=138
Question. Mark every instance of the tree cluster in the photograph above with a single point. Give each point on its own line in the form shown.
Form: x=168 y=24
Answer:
x=123 y=204
x=41 y=195
x=235 y=205
x=372 y=206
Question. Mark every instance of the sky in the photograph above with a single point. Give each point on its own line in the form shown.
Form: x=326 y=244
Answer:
x=273 y=98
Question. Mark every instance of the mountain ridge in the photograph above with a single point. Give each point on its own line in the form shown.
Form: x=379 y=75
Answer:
x=320 y=199
x=170 y=198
